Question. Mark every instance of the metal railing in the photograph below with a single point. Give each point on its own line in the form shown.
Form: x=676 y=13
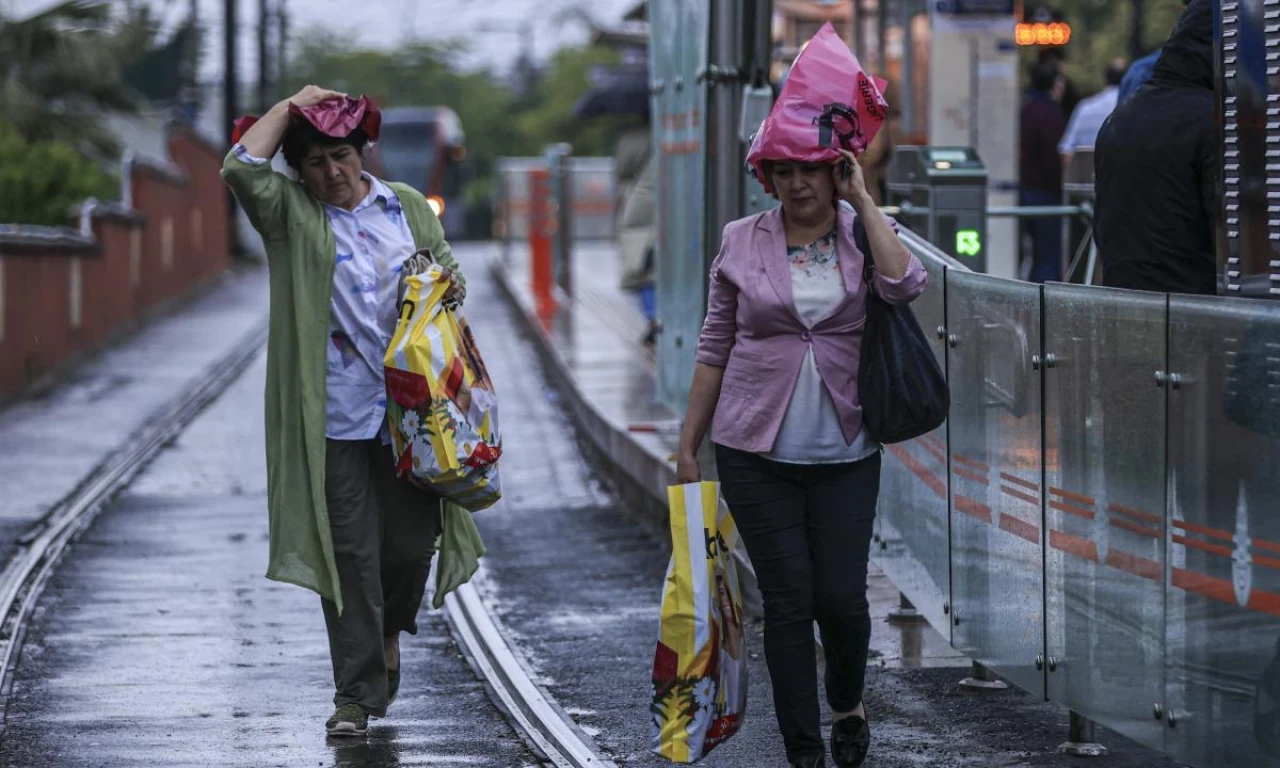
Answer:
x=1094 y=522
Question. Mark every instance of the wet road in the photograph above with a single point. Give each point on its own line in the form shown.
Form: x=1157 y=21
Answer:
x=159 y=642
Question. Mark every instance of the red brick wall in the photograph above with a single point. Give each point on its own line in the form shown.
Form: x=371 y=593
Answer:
x=182 y=243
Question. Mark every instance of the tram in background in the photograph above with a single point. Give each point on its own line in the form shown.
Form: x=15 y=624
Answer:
x=426 y=148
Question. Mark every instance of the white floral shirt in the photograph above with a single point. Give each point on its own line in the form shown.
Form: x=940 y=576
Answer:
x=810 y=431
x=373 y=242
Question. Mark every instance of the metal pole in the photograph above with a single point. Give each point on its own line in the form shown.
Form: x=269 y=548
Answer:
x=230 y=67
x=230 y=99
x=859 y=28
x=282 y=45
x=882 y=31
x=907 y=94
x=1136 y=50
x=264 y=65
x=975 y=87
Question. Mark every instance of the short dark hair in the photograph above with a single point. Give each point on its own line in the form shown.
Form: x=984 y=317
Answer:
x=1115 y=71
x=302 y=136
x=1043 y=76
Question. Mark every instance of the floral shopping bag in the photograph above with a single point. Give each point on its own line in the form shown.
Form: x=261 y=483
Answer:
x=700 y=666
x=442 y=409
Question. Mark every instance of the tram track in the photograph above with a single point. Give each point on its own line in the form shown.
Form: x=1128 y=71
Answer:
x=542 y=724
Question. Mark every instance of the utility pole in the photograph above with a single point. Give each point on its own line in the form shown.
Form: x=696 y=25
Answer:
x=282 y=47
x=230 y=102
x=264 y=63
x=1136 y=48
x=860 y=31
x=230 y=68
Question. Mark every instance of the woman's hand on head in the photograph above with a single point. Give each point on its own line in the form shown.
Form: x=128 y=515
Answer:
x=313 y=95
x=852 y=188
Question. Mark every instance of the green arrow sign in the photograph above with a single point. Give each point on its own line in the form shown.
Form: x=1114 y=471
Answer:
x=968 y=242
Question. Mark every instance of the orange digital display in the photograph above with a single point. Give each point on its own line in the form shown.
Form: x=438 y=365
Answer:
x=1040 y=33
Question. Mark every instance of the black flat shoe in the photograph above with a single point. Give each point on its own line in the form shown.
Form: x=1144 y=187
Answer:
x=850 y=742
x=812 y=762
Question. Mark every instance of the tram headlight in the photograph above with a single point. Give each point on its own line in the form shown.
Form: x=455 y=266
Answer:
x=436 y=203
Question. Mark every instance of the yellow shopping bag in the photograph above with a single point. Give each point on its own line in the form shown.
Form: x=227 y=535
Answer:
x=700 y=665
x=442 y=409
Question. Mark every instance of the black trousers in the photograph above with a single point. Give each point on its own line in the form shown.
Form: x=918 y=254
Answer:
x=384 y=533
x=808 y=531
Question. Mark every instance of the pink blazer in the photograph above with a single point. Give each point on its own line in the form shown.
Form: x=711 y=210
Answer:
x=753 y=331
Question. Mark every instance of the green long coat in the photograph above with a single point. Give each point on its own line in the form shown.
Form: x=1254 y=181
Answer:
x=301 y=254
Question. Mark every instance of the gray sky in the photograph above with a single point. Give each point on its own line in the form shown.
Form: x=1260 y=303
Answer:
x=385 y=23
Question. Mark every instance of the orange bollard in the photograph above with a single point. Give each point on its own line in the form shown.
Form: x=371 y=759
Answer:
x=541 y=270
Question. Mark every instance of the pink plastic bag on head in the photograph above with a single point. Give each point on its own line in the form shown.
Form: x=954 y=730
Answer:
x=829 y=103
x=335 y=117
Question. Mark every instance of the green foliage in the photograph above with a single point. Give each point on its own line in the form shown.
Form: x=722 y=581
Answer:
x=498 y=121
x=40 y=181
x=550 y=118
x=63 y=67
x=1102 y=31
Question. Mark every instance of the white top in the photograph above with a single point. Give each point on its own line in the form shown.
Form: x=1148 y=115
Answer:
x=1087 y=120
x=373 y=241
x=810 y=432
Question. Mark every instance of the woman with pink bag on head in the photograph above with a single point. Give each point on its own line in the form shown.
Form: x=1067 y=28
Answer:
x=777 y=384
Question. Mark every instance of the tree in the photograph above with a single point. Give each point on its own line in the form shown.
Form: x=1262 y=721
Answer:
x=550 y=118
x=41 y=181
x=416 y=74
x=62 y=68
x=496 y=120
x=1103 y=30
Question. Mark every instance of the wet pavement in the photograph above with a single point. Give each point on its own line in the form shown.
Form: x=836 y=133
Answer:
x=920 y=716
x=53 y=439
x=159 y=641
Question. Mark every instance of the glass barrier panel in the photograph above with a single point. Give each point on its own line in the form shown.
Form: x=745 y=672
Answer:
x=912 y=541
x=679 y=47
x=997 y=559
x=1104 y=564
x=1222 y=697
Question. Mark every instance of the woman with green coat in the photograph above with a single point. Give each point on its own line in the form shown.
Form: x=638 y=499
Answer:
x=339 y=243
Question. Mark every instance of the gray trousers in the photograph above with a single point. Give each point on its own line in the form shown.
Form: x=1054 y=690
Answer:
x=384 y=532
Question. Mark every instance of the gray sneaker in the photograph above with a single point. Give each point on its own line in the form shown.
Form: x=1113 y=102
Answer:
x=348 y=720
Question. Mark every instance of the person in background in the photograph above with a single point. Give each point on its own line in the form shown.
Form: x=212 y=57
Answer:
x=1040 y=168
x=637 y=243
x=1087 y=120
x=339 y=245
x=1156 y=164
x=777 y=370
x=1139 y=72
x=1064 y=89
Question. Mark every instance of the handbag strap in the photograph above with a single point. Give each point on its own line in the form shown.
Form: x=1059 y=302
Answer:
x=863 y=242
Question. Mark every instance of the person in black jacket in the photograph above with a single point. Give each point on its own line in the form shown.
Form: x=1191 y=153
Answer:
x=1156 y=163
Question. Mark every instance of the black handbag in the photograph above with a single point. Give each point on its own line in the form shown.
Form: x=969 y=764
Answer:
x=904 y=391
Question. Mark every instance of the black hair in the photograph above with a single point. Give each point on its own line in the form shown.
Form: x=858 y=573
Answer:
x=302 y=136
x=1043 y=76
x=1115 y=72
